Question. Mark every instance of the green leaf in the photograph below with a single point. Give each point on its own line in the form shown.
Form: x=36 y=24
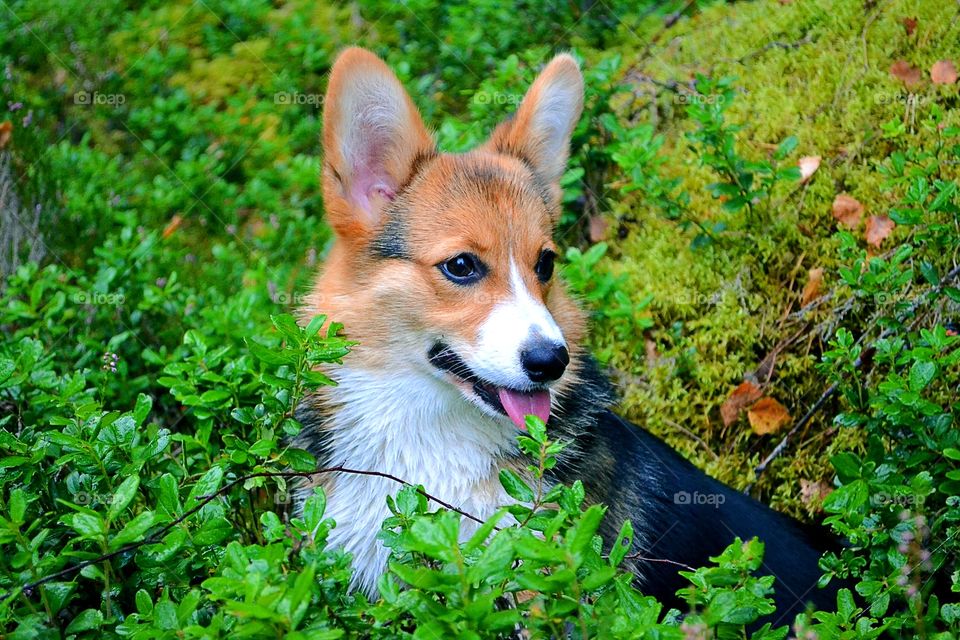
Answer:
x=313 y=327
x=847 y=465
x=269 y=355
x=313 y=509
x=598 y=577
x=88 y=525
x=287 y=325
x=215 y=396
x=169 y=497
x=214 y=531
x=623 y=544
x=57 y=594
x=480 y=536
x=142 y=408
x=205 y=486
x=86 y=620
x=143 y=602
x=7 y=367
x=515 y=487
x=786 y=147
x=849 y=497
x=536 y=428
x=581 y=535
x=921 y=374
x=123 y=496
x=18 y=506
x=273 y=529
x=134 y=530
x=299 y=460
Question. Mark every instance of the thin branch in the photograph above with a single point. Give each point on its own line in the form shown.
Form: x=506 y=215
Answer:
x=637 y=556
x=28 y=588
x=858 y=363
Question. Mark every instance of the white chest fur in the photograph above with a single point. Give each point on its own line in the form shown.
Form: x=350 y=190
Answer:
x=419 y=429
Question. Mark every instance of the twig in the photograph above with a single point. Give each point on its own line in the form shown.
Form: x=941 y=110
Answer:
x=832 y=389
x=637 y=556
x=28 y=588
x=692 y=435
x=826 y=395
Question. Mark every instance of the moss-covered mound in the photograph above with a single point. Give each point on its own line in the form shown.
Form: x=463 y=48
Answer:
x=731 y=310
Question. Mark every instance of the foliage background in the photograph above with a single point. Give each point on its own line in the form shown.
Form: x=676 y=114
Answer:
x=160 y=202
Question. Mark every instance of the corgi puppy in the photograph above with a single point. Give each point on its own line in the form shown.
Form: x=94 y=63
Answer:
x=442 y=270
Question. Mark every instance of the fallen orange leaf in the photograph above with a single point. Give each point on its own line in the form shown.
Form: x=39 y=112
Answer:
x=878 y=228
x=943 y=72
x=847 y=210
x=172 y=226
x=767 y=416
x=908 y=75
x=6 y=132
x=812 y=290
x=740 y=398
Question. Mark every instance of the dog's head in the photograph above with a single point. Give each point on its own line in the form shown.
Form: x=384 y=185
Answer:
x=444 y=263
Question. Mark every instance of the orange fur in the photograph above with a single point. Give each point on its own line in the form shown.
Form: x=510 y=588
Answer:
x=449 y=212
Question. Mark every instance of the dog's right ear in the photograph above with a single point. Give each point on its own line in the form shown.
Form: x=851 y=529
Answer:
x=372 y=135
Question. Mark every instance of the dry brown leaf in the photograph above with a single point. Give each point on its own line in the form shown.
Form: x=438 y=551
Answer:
x=943 y=72
x=878 y=228
x=813 y=492
x=908 y=75
x=6 y=132
x=598 y=228
x=812 y=289
x=172 y=226
x=767 y=416
x=808 y=167
x=847 y=210
x=909 y=25
x=740 y=398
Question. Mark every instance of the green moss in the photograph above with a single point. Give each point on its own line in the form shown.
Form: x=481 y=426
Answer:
x=815 y=70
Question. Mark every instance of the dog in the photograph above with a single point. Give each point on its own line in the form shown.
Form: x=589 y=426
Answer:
x=442 y=269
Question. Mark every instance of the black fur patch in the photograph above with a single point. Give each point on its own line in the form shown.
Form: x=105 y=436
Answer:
x=390 y=242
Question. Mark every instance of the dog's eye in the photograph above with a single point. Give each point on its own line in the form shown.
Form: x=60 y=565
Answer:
x=544 y=266
x=465 y=268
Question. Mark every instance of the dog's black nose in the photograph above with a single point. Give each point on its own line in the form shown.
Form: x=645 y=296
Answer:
x=544 y=362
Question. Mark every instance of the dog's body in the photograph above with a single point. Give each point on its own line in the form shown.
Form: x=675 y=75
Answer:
x=442 y=271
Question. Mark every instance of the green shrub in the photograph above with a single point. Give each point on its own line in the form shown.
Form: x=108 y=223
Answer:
x=149 y=368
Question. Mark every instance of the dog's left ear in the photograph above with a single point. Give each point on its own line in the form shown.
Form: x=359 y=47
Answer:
x=539 y=133
x=372 y=137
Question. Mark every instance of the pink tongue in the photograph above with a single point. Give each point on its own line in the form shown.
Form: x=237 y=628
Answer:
x=519 y=405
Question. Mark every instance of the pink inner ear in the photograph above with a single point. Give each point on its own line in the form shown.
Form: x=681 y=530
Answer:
x=367 y=182
x=369 y=177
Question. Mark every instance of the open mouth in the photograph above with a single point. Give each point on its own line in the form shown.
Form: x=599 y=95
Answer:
x=516 y=404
